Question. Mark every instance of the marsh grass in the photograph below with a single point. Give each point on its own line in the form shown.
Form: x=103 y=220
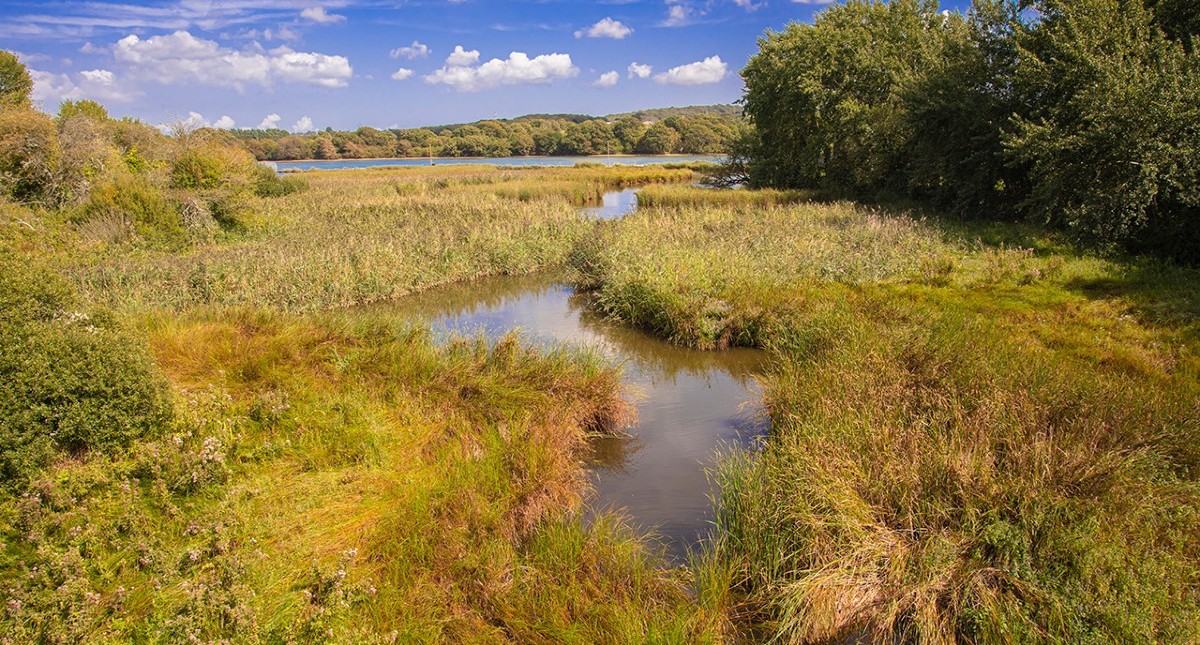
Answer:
x=335 y=475
x=343 y=478
x=978 y=434
x=355 y=237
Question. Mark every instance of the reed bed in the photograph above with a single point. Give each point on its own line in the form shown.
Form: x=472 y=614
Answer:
x=282 y=469
x=978 y=433
x=357 y=237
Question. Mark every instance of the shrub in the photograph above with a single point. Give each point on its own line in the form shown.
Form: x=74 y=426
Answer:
x=72 y=381
x=194 y=170
x=268 y=183
x=154 y=217
x=29 y=155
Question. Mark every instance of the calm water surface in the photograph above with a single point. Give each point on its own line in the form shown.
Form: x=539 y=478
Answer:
x=615 y=205
x=629 y=160
x=691 y=404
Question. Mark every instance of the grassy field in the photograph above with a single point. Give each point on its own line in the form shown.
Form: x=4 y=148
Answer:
x=360 y=236
x=978 y=432
x=201 y=445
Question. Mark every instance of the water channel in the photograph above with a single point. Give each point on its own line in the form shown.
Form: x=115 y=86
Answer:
x=691 y=403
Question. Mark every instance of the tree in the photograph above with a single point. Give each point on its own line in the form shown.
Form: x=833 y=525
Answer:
x=660 y=139
x=15 y=83
x=84 y=107
x=1111 y=126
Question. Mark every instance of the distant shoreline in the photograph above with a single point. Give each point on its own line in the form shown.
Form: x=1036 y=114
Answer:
x=680 y=154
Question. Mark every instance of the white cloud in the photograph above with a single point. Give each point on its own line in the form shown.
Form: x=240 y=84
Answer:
x=639 y=70
x=318 y=15
x=414 y=51
x=224 y=123
x=84 y=19
x=96 y=84
x=677 y=15
x=101 y=76
x=303 y=124
x=194 y=120
x=182 y=58
x=284 y=32
x=517 y=69
x=751 y=5
x=709 y=70
x=402 y=74
x=460 y=57
x=269 y=122
x=605 y=28
x=607 y=79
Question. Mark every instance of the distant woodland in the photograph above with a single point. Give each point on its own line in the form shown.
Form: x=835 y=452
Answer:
x=689 y=130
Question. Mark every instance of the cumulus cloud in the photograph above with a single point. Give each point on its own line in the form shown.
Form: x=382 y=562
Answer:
x=677 y=15
x=401 y=74
x=414 y=51
x=101 y=76
x=639 y=70
x=607 y=79
x=605 y=28
x=182 y=58
x=460 y=57
x=704 y=72
x=96 y=84
x=269 y=122
x=194 y=120
x=318 y=15
x=751 y=5
x=517 y=69
x=224 y=123
x=303 y=124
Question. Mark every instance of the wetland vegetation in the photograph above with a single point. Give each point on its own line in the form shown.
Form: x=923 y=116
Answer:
x=983 y=390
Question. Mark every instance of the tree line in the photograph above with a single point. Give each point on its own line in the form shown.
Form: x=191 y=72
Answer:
x=691 y=131
x=1083 y=114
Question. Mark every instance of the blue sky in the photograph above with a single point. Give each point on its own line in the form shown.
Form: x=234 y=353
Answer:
x=308 y=64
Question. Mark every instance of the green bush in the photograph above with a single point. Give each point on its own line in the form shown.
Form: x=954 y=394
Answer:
x=72 y=381
x=154 y=217
x=195 y=171
x=268 y=183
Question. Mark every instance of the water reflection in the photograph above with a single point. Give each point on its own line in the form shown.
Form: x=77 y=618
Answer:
x=689 y=402
x=615 y=205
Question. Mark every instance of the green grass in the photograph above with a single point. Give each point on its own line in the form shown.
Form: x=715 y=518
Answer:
x=978 y=432
x=319 y=474
x=356 y=237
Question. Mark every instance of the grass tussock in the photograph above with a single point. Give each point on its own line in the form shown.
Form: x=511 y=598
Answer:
x=977 y=434
x=180 y=467
x=341 y=478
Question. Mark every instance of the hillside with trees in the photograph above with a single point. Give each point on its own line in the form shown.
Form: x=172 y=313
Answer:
x=690 y=130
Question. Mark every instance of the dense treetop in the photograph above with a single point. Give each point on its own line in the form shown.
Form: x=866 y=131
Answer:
x=1080 y=113
x=694 y=130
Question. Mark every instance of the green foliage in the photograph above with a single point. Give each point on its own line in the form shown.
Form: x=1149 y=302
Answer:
x=1081 y=113
x=15 y=83
x=134 y=199
x=72 y=381
x=687 y=130
x=1112 y=150
x=82 y=107
x=196 y=171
